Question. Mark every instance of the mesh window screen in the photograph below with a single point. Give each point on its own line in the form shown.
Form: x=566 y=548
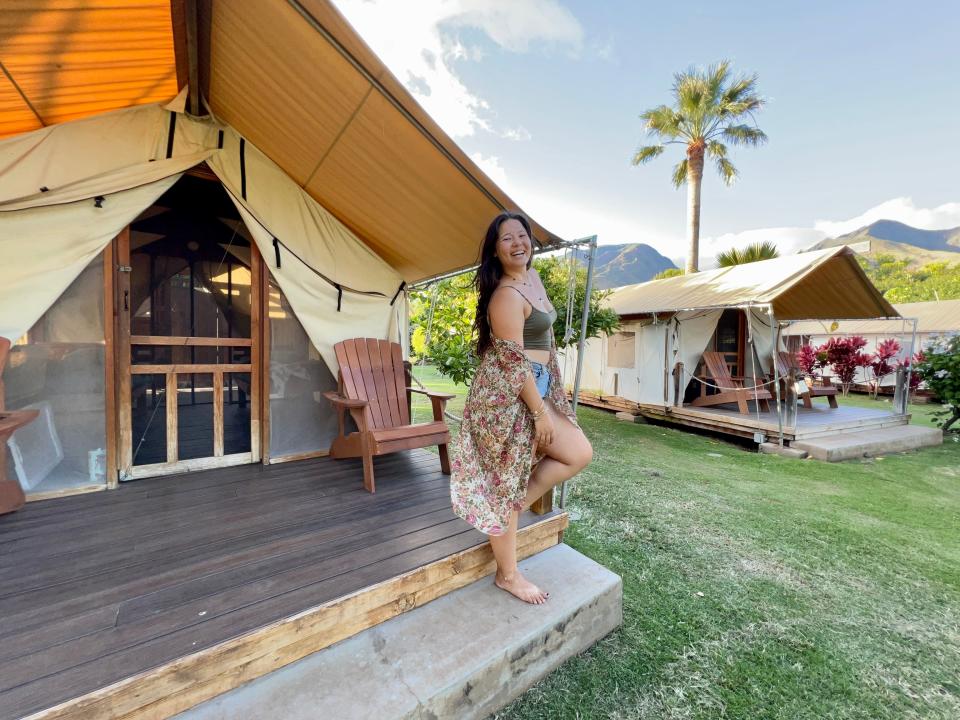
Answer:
x=301 y=419
x=58 y=369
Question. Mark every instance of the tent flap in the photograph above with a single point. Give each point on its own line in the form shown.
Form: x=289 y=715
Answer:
x=44 y=249
x=337 y=285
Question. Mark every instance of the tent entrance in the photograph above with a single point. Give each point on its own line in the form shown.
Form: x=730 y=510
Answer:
x=730 y=339
x=188 y=306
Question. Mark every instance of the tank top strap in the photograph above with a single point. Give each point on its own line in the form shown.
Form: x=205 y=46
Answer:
x=511 y=287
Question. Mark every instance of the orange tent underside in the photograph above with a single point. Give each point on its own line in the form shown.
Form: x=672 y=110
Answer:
x=294 y=79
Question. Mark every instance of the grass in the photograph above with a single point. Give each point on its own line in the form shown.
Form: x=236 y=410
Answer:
x=756 y=586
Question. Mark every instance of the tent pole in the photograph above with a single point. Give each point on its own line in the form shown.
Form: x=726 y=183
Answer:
x=913 y=349
x=776 y=374
x=585 y=316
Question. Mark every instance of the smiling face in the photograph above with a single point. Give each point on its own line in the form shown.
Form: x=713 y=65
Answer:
x=513 y=247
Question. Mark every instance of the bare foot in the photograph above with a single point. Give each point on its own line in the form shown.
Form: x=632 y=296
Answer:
x=520 y=587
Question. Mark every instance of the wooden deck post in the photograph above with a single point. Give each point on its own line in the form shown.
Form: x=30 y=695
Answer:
x=543 y=504
x=677 y=384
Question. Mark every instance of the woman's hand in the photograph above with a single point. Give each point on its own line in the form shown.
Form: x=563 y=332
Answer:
x=543 y=431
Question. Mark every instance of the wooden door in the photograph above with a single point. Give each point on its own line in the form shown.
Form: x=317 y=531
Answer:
x=188 y=364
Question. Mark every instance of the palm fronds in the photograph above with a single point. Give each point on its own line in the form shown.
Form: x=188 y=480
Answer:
x=647 y=153
x=765 y=250
x=680 y=173
x=709 y=108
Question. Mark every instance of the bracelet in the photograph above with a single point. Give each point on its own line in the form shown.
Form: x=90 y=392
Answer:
x=539 y=413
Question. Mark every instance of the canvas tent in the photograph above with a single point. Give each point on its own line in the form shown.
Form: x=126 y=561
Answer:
x=670 y=321
x=346 y=189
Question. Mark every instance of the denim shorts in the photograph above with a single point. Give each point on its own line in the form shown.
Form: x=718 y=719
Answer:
x=541 y=376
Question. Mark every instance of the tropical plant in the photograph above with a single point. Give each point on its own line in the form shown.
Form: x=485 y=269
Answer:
x=709 y=111
x=844 y=355
x=441 y=317
x=668 y=273
x=807 y=359
x=765 y=250
x=882 y=362
x=915 y=377
x=940 y=370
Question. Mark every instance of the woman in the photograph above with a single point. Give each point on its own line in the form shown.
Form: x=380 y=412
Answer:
x=519 y=436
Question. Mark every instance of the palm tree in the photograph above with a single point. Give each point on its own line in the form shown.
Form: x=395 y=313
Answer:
x=709 y=109
x=765 y=250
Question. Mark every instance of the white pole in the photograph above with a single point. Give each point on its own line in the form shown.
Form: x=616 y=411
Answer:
x=585 y=316
x=913 y=349
x=776 y=374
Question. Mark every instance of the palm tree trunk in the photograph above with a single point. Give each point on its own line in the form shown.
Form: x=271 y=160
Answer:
x=694 y=178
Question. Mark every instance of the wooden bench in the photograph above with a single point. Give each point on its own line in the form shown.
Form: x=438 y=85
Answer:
x=372 y=387
x=731 y=389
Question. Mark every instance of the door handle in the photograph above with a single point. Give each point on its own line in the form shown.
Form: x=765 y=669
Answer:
x=126 y=299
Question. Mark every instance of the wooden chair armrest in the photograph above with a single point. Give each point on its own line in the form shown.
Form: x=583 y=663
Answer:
x=431 y=394
x=338 y=399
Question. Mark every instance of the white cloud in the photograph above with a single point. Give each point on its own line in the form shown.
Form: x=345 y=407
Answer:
x=492 y=167
x=901 y=209
x=793 y=239
x=418 y=41
x=519 y=133
x=513 y=24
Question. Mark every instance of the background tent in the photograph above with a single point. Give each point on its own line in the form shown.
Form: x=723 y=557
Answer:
x=673 y=320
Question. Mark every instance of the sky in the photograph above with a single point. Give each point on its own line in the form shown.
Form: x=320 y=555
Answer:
x=862 y=109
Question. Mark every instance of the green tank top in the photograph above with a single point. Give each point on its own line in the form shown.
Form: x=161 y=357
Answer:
x=538 y=330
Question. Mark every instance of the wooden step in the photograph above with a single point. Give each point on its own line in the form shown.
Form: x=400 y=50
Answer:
x=464 y=656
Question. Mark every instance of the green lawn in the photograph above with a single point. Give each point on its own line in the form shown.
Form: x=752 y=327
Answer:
x=762 y=587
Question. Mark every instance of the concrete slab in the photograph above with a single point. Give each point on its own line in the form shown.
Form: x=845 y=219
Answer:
x=464 y=655
x=847 y=446
x=772 y=448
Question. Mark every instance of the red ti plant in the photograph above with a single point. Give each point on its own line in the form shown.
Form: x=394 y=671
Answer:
x=881 y=362
x=807 y=359
x=915 y=377
x=844 y=356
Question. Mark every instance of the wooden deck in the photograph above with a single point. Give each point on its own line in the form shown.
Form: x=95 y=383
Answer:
x=819 y=421
x=146 y=600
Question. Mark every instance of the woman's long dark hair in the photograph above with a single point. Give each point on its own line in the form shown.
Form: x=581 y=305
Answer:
x=490 y=272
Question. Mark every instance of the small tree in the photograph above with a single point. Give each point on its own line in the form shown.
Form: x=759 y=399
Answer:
x=807 y=359
x=940 y=370
x=445 y=337
x=882 y=362
x=844 y=356
x=554 y=273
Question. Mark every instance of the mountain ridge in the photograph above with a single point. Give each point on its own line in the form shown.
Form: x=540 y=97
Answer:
x=890 y=237
x=626 y=264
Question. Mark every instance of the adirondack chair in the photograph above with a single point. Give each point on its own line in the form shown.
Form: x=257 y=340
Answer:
x=788 y=361
x=373 y=388
x=737 y=390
